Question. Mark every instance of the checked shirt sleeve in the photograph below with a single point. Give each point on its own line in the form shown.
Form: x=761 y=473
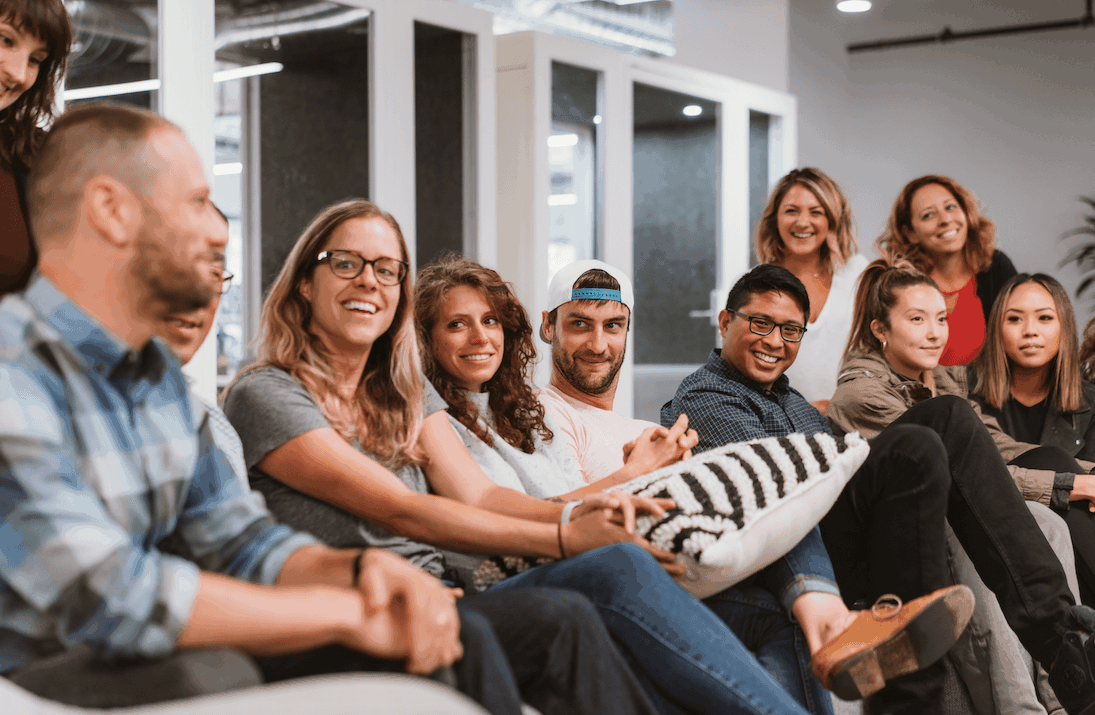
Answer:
x=719 y=416
x=225 y=527
x=68 y=571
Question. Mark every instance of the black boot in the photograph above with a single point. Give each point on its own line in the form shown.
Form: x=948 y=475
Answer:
x=1072 y=676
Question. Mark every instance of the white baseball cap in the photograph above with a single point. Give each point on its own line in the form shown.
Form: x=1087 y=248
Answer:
x=561 y=288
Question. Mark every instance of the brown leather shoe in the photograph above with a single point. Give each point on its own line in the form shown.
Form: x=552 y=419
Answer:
x=891 y=640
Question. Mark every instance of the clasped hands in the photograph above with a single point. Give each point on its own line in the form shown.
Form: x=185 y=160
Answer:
x=407 y=614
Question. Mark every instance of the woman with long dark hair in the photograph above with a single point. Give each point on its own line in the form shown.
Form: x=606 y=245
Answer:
x=35 y=39
x=1028 y=379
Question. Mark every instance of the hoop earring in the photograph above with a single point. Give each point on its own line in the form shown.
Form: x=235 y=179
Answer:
x=883 y=346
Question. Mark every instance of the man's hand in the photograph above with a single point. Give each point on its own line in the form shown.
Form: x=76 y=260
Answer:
x=406 y=613
x=659 y=447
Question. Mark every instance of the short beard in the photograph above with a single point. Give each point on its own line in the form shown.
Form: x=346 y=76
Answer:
x=170 y=286
x=568 y=368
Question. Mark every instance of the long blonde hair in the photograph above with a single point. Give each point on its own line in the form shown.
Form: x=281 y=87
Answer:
x=839 y=245
x=385 y=415
x=993 y=369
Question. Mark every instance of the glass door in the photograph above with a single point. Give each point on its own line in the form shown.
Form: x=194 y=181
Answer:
x=573 y=160
x=291 y=96
x=445 y=135
x=676 y=184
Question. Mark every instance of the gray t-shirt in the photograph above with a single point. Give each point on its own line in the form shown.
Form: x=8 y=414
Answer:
x=269 y=408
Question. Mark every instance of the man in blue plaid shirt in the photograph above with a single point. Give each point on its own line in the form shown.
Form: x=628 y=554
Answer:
x=104 y=457
x=99 y=454
x=886 y=531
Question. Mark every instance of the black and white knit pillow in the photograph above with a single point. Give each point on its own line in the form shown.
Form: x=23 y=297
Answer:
x=738 y=508
x=742 y=506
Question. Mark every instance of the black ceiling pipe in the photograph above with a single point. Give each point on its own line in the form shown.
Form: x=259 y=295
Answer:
x=949 y=35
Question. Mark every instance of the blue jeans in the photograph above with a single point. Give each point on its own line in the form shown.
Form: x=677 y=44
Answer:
x=686 y=651
x=804 y=568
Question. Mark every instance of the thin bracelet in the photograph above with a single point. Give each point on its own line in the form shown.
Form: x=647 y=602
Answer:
x=564 y=518
x=355 y=570
x=562 y=552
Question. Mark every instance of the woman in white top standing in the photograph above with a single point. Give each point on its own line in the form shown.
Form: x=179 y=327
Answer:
x=807 y=229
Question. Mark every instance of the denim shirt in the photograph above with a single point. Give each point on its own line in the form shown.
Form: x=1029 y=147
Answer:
x=724 y=406
x=102 y=456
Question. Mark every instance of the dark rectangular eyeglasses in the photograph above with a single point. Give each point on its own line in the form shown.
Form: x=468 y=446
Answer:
x=347 y=264
x=762 y=326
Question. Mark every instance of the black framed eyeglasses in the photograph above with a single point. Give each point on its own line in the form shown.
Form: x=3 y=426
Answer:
x=347 y=264
x=762 y=326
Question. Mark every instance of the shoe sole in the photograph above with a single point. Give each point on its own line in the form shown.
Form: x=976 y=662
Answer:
x=924 y=639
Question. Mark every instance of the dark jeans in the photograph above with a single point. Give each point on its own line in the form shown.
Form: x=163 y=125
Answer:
x=885 y=533
x=1081 y=522
x=545 y=646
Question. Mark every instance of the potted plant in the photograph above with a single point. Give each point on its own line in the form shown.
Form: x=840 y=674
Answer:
x=1083 y=255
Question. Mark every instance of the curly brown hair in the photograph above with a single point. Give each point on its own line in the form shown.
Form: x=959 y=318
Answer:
x=518 y=415
x=21 y=124
x=894 y=243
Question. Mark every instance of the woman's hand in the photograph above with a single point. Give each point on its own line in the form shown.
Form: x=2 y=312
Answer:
x=609 y=518
x=625 y=505
x=407 y=613
x=659 y=447
x=1084 y=488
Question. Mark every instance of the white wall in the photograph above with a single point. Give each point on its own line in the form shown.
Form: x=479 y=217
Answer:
x=1012 y=118
x=743 y=39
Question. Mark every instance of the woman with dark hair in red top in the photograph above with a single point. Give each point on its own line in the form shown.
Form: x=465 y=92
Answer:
x=937 y=225
x=35 y=39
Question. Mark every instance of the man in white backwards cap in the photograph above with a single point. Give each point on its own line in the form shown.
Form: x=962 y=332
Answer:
x=586 y=324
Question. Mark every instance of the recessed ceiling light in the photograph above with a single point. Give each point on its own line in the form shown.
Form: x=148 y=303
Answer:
x=693 y=110
x=597 y=119
x=854 y=5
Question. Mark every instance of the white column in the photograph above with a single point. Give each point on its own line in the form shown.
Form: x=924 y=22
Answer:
x=186 y=32
x=391 y=92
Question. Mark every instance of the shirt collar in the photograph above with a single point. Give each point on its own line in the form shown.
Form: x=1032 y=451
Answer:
x=720 y=367
x=88 y=341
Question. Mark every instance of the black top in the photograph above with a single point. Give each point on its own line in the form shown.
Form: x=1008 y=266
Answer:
x=1072 y=432
x=1024 y=423
x=992 y=279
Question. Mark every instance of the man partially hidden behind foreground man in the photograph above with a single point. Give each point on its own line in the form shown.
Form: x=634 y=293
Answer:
x=103 y=456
